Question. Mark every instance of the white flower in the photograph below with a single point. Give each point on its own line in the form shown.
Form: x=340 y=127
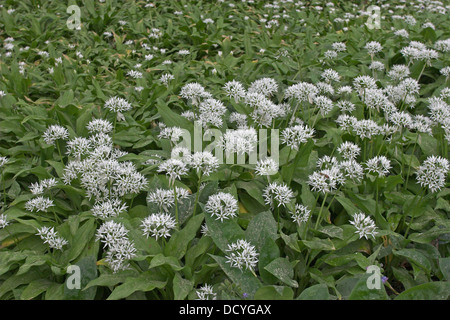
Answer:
x=108 y=208
x=296 y=135
x=78 y=147
x=278 y=192
x=373 y=47
x=117 y=104
x=361 y=83
x=239 y=141
x=55 y=132
x=222 y=205
x=135 y=74
x=204 y=162
x=42 y=186
x=165 y=78
x=345 y=105
x=174 y=169
x=324 y=104
x=50 y=236
x=3 y=221
x=3 y=161
x=433 y=173
x=352 y=170
x=398 y=72
x=39 y=204
x=120 y=249
x=211 y=112
x=99 y=126
x=158 y=225
x=264 y=86
x=339 y=46
x=302 y=91
x=266 y=167
x=326 y=180
x=330 y=75
x=349 y=150
x=379 y=165
x=234 y=89
x=172 y=133
x=193 y=92
x=365 y=226
x=242 y=254
x=330 y=54
x=206 y=292
x=300 y=214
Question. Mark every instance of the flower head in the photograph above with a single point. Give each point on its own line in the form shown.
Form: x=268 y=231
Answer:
x=242 y=255
x=365 y=226
x=222 y=205
x=158 y=225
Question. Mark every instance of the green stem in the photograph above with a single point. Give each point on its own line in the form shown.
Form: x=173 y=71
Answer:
x=176 y=204
x=198 y=193
x=319 y=218
x=4 y=189
x=410 y=160
x=59 y=152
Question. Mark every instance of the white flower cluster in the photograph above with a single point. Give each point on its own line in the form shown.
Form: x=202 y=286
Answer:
x=98 y=170
x=206 y=292
x=433 y=173
x=158 y=225
x=120 y=249
x=165 y=198
x=279 y=193
x=242 y=254
x=222 y=205
x=50 y=236
x=365 y=226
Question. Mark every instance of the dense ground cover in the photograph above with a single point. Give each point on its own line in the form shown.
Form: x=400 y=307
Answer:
x=97 y=172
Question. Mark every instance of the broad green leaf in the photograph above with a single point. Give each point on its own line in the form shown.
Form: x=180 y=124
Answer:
x=274 y=293
x=428 y=291
x=179 y=241
x=144 y=282
x=283 y=270
x=244 y=279
x=315 y=292
x=261 y=226
x=181 y=287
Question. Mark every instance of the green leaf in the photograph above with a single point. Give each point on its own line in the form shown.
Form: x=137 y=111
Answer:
x=274 y=293
x=144 y=282
x=361 y=291
x=444 y=266
x=81 y=238
x=261 y=227
x=315 y=292
x=181 y=287
x=88 y=272
x=414 y=257
x=319 y=244
x=109 y=280
x=244 y=279
x=427 y=291
x=35 y=288
x=180 y=240
x=283 y=270
x=223 y=233
x=160 y=260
